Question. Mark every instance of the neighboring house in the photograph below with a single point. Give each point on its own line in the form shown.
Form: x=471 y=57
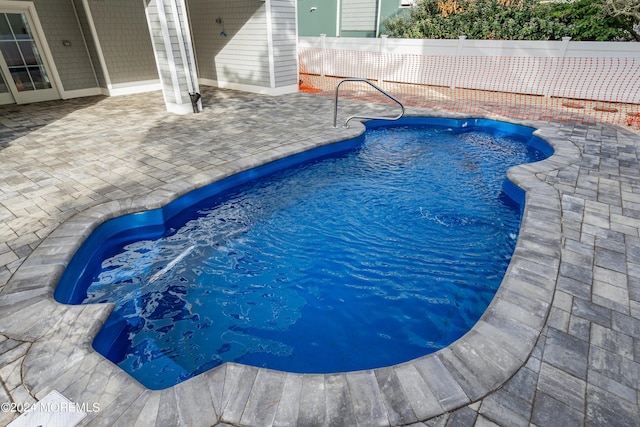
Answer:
x=60 y=49
x=347 y=18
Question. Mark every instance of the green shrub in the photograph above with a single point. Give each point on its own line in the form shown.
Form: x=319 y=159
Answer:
x=511 y=20
x=592 y=20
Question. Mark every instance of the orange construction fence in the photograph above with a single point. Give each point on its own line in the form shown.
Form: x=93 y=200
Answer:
x=579 y=89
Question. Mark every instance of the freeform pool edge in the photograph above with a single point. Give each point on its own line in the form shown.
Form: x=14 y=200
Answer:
x=473 y=366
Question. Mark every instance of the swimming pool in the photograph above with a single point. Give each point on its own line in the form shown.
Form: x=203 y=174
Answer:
x=125 y=336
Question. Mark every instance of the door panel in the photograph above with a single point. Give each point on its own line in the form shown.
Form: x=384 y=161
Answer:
x=23 y=68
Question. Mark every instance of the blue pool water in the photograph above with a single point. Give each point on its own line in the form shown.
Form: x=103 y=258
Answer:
x=361 y=254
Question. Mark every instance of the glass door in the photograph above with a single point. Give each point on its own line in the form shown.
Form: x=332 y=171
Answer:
x=23 y=68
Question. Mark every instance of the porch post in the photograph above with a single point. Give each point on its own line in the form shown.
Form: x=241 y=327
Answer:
x=171 y=40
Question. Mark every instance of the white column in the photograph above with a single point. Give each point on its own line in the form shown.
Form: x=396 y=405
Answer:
x=171 y=39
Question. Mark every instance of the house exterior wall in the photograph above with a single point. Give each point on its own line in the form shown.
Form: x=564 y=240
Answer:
x=124 y=39
x=234 y=49
x=317 y=17
x=81 y=14
x=113 y=46
x=122 y=36
x=358 y=18
x=246 y=44
x=205 y=34
x=285 y=42
x=59 y=23
x=346 y=18
x=243 y=56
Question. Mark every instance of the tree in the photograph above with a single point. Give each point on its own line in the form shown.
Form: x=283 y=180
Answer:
x=477 y=19
x=517 y=20
x=594 y=20
x=629 y=8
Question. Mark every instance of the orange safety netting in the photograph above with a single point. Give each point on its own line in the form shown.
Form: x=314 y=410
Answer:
x=580 y=89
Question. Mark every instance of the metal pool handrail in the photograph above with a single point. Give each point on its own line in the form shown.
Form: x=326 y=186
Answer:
x=346 y=122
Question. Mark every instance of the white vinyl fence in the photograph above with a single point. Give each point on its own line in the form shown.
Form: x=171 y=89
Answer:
x=602 y=71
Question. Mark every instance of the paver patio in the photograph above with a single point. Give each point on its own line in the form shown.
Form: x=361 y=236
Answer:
x=560 y=344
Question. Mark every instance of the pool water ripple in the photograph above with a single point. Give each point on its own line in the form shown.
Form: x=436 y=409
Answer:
x=363 y=259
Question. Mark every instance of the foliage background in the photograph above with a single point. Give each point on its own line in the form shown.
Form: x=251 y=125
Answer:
x=595 y=20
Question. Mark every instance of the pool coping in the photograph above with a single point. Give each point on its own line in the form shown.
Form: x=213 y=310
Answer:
x=462 y=373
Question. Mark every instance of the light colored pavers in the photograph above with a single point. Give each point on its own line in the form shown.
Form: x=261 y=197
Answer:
x=560 y=344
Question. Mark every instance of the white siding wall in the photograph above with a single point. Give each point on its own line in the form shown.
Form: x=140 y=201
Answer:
x=243 y=57
x=285 y=47
x=239 y=58
x=240 y=55
x=206 y=35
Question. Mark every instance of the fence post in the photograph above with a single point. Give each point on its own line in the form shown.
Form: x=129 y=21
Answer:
x=459 y=47
x=565 y=45
x=556 y=72
x=382 y=63
x=323 y=56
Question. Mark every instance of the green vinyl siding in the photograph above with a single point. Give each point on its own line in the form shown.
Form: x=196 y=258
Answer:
x=358 y=18
x=317 y=17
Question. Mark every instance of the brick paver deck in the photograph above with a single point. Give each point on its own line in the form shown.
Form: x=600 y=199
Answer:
x=560 y=344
